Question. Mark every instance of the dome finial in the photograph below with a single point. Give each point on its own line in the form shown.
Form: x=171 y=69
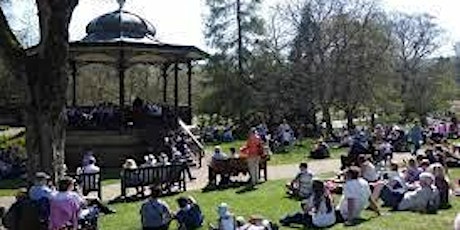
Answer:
x=121 y=3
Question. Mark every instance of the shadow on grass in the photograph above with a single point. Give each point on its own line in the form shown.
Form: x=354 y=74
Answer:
x=359 y=221
x=230 y=185
x=137 y=198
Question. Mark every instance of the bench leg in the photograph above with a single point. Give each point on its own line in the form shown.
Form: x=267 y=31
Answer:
x=123 y=190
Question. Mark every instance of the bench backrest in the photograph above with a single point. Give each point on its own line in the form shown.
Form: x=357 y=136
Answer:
x=234 y=165
x=89 y=182
x=154 y=175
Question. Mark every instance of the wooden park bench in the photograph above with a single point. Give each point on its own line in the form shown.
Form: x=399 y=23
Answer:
x=233 y=166
x=164 y=176
x=90 y=182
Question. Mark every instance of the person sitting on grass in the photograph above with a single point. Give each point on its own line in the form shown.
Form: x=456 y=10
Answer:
x=257 y=222
x=412 y=172
x=425 y=198
x=321 y=150
x=189 y=215
x=155 y=213
x=356 y=197
x=226 y=219
x=441 y=181
x=385 y=151
x=40 y=190
x=318 y=211
x=68 y=208
x=301 y=186
x=368 y=171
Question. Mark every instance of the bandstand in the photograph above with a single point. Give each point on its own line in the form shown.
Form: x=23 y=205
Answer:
x=121 y=39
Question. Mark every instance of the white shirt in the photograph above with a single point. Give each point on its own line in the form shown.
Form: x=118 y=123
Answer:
x=218 y=155
x=369 y=172
x=322 y=218
x=358 y=190
x=90 y=169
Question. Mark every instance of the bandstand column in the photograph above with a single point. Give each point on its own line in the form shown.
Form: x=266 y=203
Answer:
x=189 y=84
x=176 y=85
x=74 y=82
x=121 y=78
x=165 y=82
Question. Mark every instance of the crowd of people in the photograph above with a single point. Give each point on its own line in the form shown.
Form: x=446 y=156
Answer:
x=369 y=175
x=107 y=115
x=54 y=207
x=156 y=215
x=103 y=116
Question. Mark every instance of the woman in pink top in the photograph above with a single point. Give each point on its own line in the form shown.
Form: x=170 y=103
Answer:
x=65 y=206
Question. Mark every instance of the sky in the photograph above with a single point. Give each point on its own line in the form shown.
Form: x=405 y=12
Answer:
x=181 y=21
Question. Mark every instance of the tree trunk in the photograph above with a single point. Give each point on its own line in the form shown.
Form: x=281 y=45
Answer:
x=327 y=119
x=47 y=78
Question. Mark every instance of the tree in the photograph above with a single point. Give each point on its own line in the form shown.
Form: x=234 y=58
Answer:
x=44 y=69
x=363 y=57
x=433 y=89
x=416 y=37
x=233 y=29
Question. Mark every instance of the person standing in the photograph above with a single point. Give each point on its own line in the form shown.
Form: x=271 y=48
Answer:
x=416 y=136
x=252 y=151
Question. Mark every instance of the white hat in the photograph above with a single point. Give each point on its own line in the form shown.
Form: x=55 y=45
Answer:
x=426 y=175
x=222 y=209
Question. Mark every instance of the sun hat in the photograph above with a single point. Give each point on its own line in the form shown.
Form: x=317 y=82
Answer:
x=426 y=175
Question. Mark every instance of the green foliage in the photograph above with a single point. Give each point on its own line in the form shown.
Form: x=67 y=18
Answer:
x=433 y=89
x=350 y=56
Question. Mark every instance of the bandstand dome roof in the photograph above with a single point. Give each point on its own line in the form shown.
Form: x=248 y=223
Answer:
x=119 y=25
x=120 y=31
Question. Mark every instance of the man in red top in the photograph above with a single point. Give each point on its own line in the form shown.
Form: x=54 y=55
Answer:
x=252 y=151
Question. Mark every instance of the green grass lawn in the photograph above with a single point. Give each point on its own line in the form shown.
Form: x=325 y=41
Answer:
x=269 y=201
x=294 y=155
